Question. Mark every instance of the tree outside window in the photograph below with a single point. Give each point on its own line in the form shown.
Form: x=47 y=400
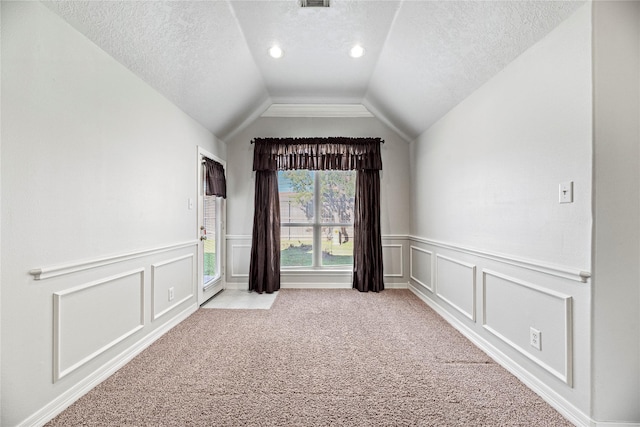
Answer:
x=316 y=210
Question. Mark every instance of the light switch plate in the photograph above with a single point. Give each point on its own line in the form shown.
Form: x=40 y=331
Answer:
x=566 y=192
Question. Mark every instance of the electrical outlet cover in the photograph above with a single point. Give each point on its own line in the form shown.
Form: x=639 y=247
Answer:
x=535 y=338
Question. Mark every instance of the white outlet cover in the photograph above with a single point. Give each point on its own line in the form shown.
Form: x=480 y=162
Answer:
x=535 y=338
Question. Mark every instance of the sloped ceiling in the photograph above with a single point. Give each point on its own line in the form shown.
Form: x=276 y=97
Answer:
x=210 y=58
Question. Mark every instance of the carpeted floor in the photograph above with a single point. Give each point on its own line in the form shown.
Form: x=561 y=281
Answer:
x=317 y=358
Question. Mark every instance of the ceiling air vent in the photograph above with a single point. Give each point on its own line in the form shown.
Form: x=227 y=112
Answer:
x=314 y=3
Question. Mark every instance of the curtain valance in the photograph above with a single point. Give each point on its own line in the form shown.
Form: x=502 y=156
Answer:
x=334 y=153
x=216 y=184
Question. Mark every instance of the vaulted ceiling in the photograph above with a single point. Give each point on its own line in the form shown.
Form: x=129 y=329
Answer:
x=210 y=58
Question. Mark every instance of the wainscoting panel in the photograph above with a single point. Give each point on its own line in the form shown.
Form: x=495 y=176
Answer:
x=392 y=255
x=240 y=259
x=394 y=249
x=515 y=294
x=172 y=283
x=113 y=305
x=456 y=284
x=421 y=267
x=511 y=307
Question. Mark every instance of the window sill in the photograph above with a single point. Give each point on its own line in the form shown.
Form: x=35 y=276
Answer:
x=316 y=271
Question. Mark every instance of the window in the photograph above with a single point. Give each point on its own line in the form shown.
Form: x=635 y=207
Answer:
x=316 y=218
x=211 y=258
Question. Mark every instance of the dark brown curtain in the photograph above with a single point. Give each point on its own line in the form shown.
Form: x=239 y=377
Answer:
x=216 y=184
x=339 y=153
x=264 y=271
x=367 y=240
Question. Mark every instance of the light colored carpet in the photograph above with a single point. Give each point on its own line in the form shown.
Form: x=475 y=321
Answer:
x=317 y=358
x=239 y=299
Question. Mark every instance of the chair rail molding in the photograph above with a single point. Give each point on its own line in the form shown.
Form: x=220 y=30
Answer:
x=77 y=266
x=570 y=273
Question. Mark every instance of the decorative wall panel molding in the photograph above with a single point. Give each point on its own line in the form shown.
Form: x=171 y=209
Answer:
x=114 y=306
x=176 y=274
x=77 y=266
x=239 y=255
x=87 y=383
x=511 y=307
x=421 y=267
x=533 y=381
x=392 y=255
x=553 y=270
x=456 y=284
x=240 y=258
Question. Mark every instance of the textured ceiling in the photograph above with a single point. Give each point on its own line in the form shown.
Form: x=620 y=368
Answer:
x=210 y=57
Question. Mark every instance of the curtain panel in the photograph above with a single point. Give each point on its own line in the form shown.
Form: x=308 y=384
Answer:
x=368 y=273
x=216 y=183
x=334 y=153
x=264 y=269
x=274 y=154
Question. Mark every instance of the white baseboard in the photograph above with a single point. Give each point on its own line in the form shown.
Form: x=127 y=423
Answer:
x=308 y=285
x=311 y=285
x=610 y=424
x=63 y=401
x=559 y=403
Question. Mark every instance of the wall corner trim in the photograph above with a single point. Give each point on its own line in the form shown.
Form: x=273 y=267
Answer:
x=564 y=272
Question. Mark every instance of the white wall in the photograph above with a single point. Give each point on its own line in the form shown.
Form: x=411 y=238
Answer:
x=394 y=193
x=96 y=166
x=616 y=281
x=503 y=255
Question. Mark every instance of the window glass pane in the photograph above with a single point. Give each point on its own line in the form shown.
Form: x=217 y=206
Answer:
x=337 y=245
x=338 y=189
x=296 y=246
x=296 y=196
x=210 y=260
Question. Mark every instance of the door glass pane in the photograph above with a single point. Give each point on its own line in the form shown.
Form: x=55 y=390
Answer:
x=210 y=260
x=337 y=245
x=337 y=191
x=296 y=245
x=296 y=196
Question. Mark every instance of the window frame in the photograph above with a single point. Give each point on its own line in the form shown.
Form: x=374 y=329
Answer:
x=206 y=290
x=317 y=225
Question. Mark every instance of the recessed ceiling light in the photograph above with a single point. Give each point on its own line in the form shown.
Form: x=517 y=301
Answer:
x=357 y=51
x=276 y=52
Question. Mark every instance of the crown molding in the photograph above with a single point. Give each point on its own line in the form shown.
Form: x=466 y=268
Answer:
x=317 y=110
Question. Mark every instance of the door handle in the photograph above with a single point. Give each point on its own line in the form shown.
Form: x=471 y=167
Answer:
x=203 y=237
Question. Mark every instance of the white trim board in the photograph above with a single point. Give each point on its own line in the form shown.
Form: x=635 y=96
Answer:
x=77 y=266
x=541 y=267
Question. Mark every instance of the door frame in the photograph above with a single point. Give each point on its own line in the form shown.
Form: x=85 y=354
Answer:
x=220 y=283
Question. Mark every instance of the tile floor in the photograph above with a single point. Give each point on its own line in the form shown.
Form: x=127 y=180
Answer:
x=241 y=299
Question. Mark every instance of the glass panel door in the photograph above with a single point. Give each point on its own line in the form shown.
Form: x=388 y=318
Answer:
x=211 y=235
x=211 y=270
